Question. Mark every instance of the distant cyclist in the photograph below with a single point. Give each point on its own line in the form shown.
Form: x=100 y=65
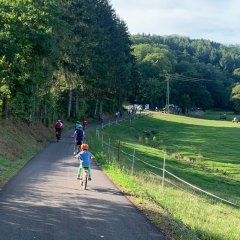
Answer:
x=78 y=135
x=85 y=158
x=58 y=128
x=77 y=126
x=85 y=123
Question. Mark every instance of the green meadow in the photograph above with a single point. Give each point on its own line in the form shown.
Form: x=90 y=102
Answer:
x=202 y=152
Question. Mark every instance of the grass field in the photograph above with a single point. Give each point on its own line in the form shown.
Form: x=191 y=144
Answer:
x=215 y=115
x=201 y=152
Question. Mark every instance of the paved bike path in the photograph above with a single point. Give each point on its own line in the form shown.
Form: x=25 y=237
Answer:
x=44 y=201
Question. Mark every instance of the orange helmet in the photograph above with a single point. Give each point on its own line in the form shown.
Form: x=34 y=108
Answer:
x=84 y=147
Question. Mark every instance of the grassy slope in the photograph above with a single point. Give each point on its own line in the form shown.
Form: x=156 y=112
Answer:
x=199 y=151
x=18 y=144
x=200 y=148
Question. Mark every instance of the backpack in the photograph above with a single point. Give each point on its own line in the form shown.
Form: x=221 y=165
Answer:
x=79 y=136
x=58 y=125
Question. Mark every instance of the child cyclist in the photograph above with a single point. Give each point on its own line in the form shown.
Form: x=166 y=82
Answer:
x=85 y=158
x=78 y=135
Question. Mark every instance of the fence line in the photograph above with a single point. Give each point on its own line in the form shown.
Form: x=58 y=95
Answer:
x=135 y=158
x=189 y=184
x=201 y=190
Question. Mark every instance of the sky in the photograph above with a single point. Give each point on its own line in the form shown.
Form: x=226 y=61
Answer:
x=215 y=20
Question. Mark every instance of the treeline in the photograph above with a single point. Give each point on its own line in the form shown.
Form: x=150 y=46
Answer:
x=201 y=73
x=75 y=58
x=65 y=58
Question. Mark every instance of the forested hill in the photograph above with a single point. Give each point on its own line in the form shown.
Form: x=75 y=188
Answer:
x=201 y=73
x=67 y=58
x=75 y=58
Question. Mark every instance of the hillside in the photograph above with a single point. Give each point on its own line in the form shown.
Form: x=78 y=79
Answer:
x=18 y=143
x=201 y=73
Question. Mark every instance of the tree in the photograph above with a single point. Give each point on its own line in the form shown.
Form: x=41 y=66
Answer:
x=235 y=97
x=212 y=63
x=57 y=57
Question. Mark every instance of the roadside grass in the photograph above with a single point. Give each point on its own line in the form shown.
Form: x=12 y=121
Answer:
x=18 y=144
x=198 y=151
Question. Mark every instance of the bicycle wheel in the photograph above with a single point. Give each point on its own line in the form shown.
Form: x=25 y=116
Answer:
x=85 y=177
x=85 y=181
x=81 y=182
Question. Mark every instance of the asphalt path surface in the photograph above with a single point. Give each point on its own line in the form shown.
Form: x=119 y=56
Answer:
x=44 y=201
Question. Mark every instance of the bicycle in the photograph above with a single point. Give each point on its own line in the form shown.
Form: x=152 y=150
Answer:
x=58 y=135
x=84 y=179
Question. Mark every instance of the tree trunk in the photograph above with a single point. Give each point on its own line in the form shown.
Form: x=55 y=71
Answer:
x=77 y=104
x=69 y=103
x=96 y=108
x=33 y=109
x=101 y=107
x=4 y=107
x=45 y=115
x=41 y=116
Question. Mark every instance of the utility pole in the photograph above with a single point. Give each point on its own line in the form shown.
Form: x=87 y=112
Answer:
x=167 y=94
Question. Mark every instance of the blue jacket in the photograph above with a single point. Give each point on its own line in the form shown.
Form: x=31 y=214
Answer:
x=85 y=157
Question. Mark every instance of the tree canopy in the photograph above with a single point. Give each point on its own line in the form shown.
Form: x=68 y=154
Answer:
x=201 y=71
x=75 y=58
x=62 y=58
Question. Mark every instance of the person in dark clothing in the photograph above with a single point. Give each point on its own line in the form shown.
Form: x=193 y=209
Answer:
x=100 y=119
x=58 y=129
x=78 y=135
x=59 y=126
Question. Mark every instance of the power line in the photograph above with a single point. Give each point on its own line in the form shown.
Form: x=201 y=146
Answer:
x=187 y=78
x=181 y=78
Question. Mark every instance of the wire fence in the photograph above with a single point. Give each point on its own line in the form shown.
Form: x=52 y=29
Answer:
x=134 y=165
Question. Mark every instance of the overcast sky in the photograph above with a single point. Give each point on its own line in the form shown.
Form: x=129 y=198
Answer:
x=216 y=20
